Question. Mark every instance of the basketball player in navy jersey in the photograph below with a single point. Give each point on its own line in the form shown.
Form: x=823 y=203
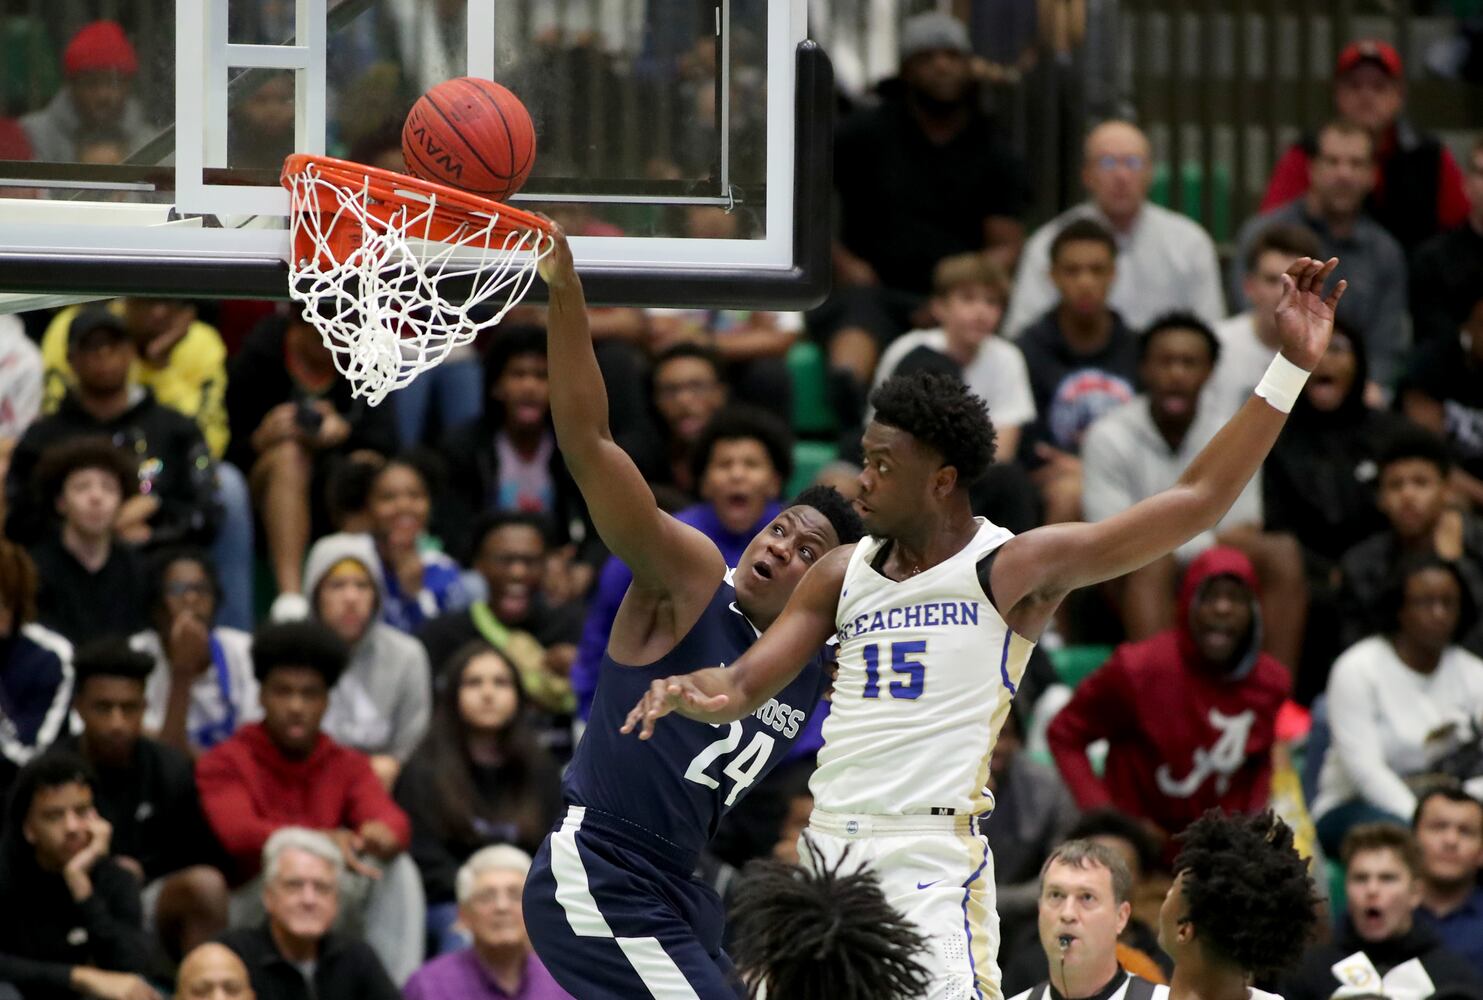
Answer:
x=936 y=613
x=612 y=904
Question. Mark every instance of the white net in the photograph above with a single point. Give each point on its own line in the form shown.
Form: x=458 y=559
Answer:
x=394 y=288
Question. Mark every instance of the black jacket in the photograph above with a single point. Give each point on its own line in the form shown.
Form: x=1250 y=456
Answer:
x=44 y=934
x=80 y=605
x=154 y=809
x=258 y=380
x=173 y=461
x=1367 y=572
x=1319 y=481
x=1314 y=978
x=346 y=969
x=473 y=488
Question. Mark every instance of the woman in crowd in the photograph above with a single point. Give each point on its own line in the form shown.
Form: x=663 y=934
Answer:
x=1404 y=706
x=202 y=687
x=420 y=581
x=480 y=778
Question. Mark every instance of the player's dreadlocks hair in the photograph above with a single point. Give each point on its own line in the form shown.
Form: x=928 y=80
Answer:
x=939 y=411
x=838 y=511
x=826 y=934
x=1247 y=890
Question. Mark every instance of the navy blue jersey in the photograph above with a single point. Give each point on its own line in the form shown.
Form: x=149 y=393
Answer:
x=678 y=784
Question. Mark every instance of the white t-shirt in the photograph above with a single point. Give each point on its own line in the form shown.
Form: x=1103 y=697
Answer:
x=1243 y=362
x=997 y=374
x=223 y=698
x=1388 y=722
x=20 y=378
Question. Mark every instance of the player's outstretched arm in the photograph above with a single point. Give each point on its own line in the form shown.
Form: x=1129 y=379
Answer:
x=1041 y=566
x=661 y=552
x=727 y=693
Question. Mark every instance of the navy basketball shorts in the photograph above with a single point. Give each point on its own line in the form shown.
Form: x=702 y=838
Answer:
x=616 y=916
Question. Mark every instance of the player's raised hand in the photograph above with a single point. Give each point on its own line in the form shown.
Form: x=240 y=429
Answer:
x=671 y=694
x=1305 y=317
x=557 y=268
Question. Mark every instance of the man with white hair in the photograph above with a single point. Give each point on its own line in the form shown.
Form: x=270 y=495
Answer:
x=501 y=965
x=295 y=955
x=1165 y=261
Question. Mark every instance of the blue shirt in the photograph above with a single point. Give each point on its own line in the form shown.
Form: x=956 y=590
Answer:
x=442 y=591
x=1461 y=930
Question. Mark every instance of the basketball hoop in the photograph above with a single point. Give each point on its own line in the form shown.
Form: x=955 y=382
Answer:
x=396 y=272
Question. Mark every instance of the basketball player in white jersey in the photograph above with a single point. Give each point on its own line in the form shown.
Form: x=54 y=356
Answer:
x=1242 y=905
x=936 y=612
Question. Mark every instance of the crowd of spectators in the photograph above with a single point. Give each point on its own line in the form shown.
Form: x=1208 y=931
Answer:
x=295 y=674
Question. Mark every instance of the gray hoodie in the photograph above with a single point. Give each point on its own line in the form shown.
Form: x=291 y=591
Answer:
x=55 y=129
x=383 y=700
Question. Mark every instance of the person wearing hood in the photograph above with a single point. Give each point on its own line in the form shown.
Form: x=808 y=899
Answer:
x=176 y=498
x=1189 y=714
x=71 y=924
x=1379 y=948
x=382 y=702
x=1143 y=447
x=100 y=65
x=1321 y=481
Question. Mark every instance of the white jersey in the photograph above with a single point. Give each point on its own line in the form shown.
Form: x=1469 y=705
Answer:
x=927 y=669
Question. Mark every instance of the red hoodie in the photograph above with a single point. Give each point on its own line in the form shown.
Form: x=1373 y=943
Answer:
x=1181 y=739
x=249 y=790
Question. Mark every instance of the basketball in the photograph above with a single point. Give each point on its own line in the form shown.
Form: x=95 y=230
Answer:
x=472 y=134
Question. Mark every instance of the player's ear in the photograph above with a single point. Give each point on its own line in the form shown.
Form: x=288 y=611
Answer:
x=944 y=482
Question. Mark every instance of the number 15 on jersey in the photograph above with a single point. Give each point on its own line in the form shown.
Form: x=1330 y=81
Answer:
x=911 y=671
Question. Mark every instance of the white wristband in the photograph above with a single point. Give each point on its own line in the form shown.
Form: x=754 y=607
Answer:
x=1282 y=384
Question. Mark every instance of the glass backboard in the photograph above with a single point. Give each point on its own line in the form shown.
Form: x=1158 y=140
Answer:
x=683 y=144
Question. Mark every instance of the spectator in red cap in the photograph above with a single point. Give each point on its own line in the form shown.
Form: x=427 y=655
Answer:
x=100 y=66
x=1419 y=188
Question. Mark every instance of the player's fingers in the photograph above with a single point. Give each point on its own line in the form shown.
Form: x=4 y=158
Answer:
x=1322 y=277
x=706 y=702
x=1338 y=293
x=634 y=715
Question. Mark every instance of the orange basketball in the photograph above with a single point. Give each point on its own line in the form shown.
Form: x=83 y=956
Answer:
x=472 y=134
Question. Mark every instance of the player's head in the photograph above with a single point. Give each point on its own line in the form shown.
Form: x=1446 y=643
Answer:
x=740 y=462
x=825 y=934
x=775 y=559
x=1241 y=896
x=930 y=440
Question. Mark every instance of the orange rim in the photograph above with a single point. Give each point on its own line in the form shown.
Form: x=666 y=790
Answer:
x=454 y=211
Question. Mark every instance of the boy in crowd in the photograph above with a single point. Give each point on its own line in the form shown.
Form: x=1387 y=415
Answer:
x=1413 y=497
x=147 y=793
x=1380 y=946
x=90 y=582
x=1083 y=362
x=968 y=296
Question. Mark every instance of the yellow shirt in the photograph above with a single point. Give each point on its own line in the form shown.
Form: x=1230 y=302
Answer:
x=193 y=379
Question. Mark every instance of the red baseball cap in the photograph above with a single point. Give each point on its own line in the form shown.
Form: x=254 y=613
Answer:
x=1382 y=54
